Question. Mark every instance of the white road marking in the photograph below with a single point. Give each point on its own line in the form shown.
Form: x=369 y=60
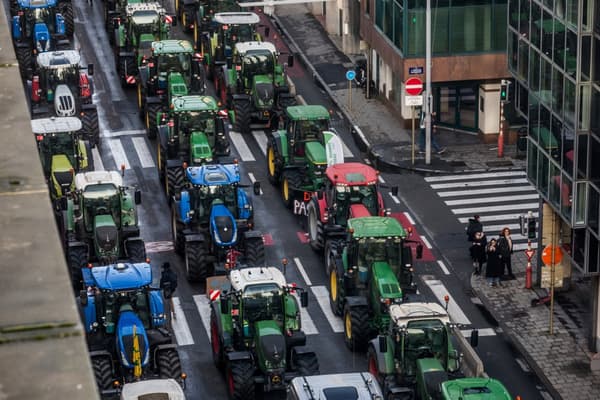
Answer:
x=130 y=132
x=261 y=139
x=487 y=200
x=180 y=325
x=381 y=179
x=546 y=395
x=474 y=192
x=367 y=161
x=455 y=312
x=497 y=217
x=253 y=179
x=347 y=152
x=322 y=296
x=506 y=207
x=98 y=164
x=203 y=306
x=241 y=146
x=159 y=246
x=479 y=183
x=396 y=200
x=408 y=217
x=308 y=325
x=462 y=177
x=522 y=364
x=302 y=271
x=426 y=242
x=443 y=267
x=139 y=143
x=482 y=332
x=116 y=149
x=523 y=246
x=495 y=229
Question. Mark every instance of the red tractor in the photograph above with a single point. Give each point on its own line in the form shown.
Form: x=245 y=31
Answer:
x=351 y=191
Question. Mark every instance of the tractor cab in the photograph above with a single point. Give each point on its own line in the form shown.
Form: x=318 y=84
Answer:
x=230 y=28
x=174 y=65
x=305 y=126
x=145 y=24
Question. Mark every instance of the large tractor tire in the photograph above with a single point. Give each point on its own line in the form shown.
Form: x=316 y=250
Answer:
x=168 y=363
x=67 y=13
x=140 y=98
x=273 y=163
x=78 y=258
x=152 y=110
x=335 y=300
x=240 y=380
x=136 y=251
x=314 y=226
x=102 y=372
x=357 y=331
x=89 y=156
x=175 y=182
x=196 y=264
x=25 y=59
x=90 y=127
x=242 y=116
x=307 y=364
x=255 y=252
x=177 y=232
x=161 y=161
x=290 y=182
x=218 y=355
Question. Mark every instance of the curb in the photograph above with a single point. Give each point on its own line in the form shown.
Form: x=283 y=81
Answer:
x=539 y=372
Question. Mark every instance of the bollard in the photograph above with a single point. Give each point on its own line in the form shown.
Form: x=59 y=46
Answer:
x=528 y=273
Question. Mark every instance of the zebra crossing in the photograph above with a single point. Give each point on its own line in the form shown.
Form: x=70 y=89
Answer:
x=499 y=198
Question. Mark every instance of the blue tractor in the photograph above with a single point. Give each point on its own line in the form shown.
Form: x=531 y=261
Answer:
x=212 y=222
x=39 y=26
x=125 y=325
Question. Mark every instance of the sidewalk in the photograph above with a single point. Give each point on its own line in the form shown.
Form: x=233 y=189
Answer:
x=561 y=360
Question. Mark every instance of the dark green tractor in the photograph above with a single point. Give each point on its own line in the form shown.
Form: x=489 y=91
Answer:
x=299 y=154
x=196 y=15
x=256 y=331
x=368 y=271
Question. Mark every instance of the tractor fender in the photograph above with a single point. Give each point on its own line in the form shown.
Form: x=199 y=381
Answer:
x=301 y=350
x=280 y=141
x=296 y=340
x=22 y=45
x=225 y=335
x=163 y=135
x=87 y=107
x=133 y=240
x=174 y=163
x=357 y=301
x=240 y=97
x=321 y=207
x=239 y=356
x=78 y=244
x=385 y=361
x=101 y=354
x=153 y=100
x=124 y=54
x=252 y=234
x=194 y=237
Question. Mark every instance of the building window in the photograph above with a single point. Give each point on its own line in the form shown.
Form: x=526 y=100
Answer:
x=523 y=59
x=572 y=12
x=543 y=171
x=388 y=18
x=595 y=156
x=559 y=44
x=524 y=18
x=566 y=197
x=534 y=71
x=593 y=208
x=595 y=107
x=368 y=7
x=555 y=185
x=557 y=91
x=536 y=23
x=546 y=79
x=532 y=163
x=585 y=103
x=580 y=202
x=571 y=51
x=593 y=254
x=569 y=105
x=582 y=156
x=596 y=58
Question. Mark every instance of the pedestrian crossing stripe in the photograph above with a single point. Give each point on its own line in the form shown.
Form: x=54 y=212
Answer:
x=159 y=247
x=181 y=329
x=322 y=296
x=462 y=177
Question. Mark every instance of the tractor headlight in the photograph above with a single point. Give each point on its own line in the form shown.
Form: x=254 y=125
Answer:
x=146 y=357
x=124 y=360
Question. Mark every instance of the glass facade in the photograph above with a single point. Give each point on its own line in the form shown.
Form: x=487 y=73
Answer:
x=556 y=66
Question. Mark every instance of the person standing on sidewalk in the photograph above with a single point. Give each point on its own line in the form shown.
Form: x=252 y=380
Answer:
x=422 y=135
x=474 y=226
x=478 y=252
x=493 y=269
x=505 y=247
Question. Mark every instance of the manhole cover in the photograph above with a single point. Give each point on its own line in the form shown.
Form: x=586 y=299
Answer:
x=502 y=163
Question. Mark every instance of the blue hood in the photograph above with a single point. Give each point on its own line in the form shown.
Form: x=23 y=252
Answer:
x=121 y=276
x=127 y=320
x=37 y=3
x=223 y=225
x=42 y=37
x=213 y=175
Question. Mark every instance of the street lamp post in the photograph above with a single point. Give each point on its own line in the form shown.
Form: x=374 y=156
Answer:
x=427 y=104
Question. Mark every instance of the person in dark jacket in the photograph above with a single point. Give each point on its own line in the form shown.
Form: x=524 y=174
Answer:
x=505 y=247
x=474 y=226
x=478 y=250
x=493 y=269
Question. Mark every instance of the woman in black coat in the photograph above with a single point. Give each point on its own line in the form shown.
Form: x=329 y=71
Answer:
x=493 y=270
x=478 y=251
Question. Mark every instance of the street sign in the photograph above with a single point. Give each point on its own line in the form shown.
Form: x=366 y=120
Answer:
x=415 y=70
x=529 y=253
x=548 y=252
x=413 y=86
x=350 y=75
x=413 y=100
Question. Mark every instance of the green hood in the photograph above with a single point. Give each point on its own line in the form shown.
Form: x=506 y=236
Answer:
x=106 y=236
x=177 y=85
x=315 y=152
x=386 y=281
x=264 y=91
x=200 y=148
x=62 y=174
x=270 y=345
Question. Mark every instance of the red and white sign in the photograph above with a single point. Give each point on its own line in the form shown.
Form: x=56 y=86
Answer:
x=529 y=253
x=168 y=19
x=413 y=86
x=214 y=295
x=130 y=79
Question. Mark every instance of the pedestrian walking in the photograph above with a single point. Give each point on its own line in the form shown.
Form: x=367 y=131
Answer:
x=478 y=252
x=168 y=284
x=474 y=226
x=505 y=247
x=422 y=135
x=493 y=269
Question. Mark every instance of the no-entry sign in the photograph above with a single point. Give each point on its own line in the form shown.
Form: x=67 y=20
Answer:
x=414 y=86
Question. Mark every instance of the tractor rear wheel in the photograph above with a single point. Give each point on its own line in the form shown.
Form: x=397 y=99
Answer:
x=177 y=232
x=255 y=252
x=196 y=265
x=273 y=163
x=215 y=342
x=78 y=259
x=90 y=128
x=67 y=13
x=174 y=182
x=102 y=372
x=290 y=182
x=357 y=331
x=24 y=58
x=168 y=363
x=242 y=116
x=314 y=226
x=334 y=292
x=240 y=380
x=151 y=110
x=136 y=251
x=307 y=364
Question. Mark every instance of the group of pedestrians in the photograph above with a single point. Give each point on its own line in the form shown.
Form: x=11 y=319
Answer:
x=496 y=253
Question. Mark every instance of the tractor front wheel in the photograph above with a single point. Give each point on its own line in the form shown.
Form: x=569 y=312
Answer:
x=78 y=258
x=174 y=183
x=169 y=364
x=177 y=232
x=334 y=292
x=290 y=183
x=151 y=112
x=215 y=342
x=315 y=226
x=102 y=372
x=356 y=327
x=25 y=59
x=90 y=127
x=307 y=364
x=273 y=164
x=196 y=265
x=255 y=252
x=128 y=68
x=242 y=116
x=136 y=251
x=67 y=13
x=240 y=380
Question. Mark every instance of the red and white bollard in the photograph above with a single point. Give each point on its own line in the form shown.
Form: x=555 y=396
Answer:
x=529 y=270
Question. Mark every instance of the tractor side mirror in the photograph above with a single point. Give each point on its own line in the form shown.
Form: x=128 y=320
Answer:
x=83 y=298
x=395 y=191
x=90 y=69
x=229 y=62
x=419 y=251
x=290 y=61
x=382 y=344
x=137 y=197
x=474 y=338
x=303 y=299
x=224 y=305
x=267 y=31
x=256 y=188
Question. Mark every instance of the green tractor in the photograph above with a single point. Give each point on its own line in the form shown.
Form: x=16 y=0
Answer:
x=477 y=388
x=192 y=133
x=143 y=24
x=172 y=70
x=99 y=223
x=368 y=271
x=299 y=154
x=114 y=10
x=253 y=84
x=62 y=152
x=196 y=16
x=419 y=354
x=256 y=331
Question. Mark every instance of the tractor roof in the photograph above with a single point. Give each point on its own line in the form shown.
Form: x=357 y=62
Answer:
x=55 y=125
x=214 y=174
x=241 y=278
x=194 y=103
x=375 y=227
x=355 y=385
x=172 y=46
x=122 y=276
x=475 y=388
x=404 y=313
x=307 y=113
x=37 y=3
x=85 y=179
x=144 y=13
x=351 y=174
x=146 y=388
x=55 y=59
x=236 y=18
x=245 y=47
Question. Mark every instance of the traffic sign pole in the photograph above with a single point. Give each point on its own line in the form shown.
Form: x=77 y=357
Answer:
x=350 y=75
x=413 y=87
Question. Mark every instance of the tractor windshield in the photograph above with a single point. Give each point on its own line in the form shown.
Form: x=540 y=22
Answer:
x=258 y=62
x=425 y=339
x=101 y=199
x=197 y=121
x=64 y=74
x=365 y=195
x=180 y=62
x=263 y=302
x=379 y=249
x=111 y=304
x=39 y=16
x=237 y=33
x=311 y=130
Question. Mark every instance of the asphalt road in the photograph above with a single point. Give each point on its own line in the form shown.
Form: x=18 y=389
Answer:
x=124 y=142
